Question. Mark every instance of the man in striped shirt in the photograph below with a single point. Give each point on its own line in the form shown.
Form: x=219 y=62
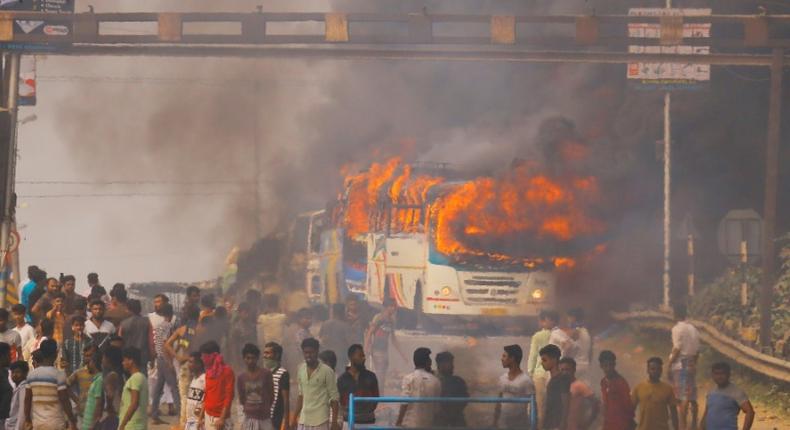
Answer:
x=46 y=400
x=272 y=357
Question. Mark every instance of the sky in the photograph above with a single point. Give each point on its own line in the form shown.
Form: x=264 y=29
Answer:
x=131 y=237
x=188 y=124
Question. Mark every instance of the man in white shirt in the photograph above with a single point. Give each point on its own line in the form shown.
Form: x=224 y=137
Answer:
x=420 y=383
x=564 y=342
x=583 y=340
x=25 y=330
x=513 y=383
x=156 y=317
x=10 y=336
x=683 y=365
x=19 y=371
x=97 y=328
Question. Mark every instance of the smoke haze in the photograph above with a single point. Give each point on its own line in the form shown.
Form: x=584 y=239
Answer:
x=192 y=123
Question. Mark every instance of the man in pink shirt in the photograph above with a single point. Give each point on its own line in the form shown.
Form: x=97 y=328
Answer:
x=583 y=407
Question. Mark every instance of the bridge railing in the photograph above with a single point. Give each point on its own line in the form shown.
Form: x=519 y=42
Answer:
x=353 y=400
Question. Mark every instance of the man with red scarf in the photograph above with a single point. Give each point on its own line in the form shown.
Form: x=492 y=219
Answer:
x=219 y=388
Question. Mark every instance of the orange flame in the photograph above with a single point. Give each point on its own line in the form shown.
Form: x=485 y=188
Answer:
x=468 y=217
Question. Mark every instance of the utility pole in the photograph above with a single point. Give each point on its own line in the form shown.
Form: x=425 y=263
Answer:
x=256 y=160
x=8 y=114
x=667 y=192
x=771 y=188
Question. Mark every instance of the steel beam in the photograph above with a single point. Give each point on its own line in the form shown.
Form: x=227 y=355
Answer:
x=432 y=54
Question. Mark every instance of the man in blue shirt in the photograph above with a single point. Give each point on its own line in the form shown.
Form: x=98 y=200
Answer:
x=34 y=274
x=725 y=402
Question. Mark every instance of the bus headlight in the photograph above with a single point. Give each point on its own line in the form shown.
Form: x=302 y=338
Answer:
x=537 y=294
x=445 y=291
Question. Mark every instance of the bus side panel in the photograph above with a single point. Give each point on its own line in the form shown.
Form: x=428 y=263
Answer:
x=331 y=264
x=406 y=269
x=376 y=271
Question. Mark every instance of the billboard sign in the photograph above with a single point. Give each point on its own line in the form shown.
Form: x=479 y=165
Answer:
x=37 y=27
x=50 y=6
x=668 y=76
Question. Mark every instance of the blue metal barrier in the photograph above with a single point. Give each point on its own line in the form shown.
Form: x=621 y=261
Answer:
x=533 y=418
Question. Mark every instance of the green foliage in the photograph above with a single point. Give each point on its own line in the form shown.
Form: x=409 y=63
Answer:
x=719 y=302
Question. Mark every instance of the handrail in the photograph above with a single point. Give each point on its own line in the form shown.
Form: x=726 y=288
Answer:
x=533 y=418
x=767 y=365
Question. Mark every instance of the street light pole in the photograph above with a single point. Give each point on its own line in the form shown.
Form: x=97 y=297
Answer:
x=667 y=192
x=771 y=193
x=8 y=117
x=257 y=161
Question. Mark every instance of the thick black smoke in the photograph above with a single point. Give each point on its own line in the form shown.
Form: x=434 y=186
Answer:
x=315 y=116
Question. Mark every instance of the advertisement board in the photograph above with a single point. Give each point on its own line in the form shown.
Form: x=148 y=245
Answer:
x=668 y=76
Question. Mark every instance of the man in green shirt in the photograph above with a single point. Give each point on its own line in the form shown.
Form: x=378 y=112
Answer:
x=135 y=393
x=317 y=389
x=546 y=320
x=93 y=400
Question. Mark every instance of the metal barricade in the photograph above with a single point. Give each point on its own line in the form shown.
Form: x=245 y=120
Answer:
x=533 y=418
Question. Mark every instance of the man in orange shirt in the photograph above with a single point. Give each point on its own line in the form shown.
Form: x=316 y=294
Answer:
x=219 y=388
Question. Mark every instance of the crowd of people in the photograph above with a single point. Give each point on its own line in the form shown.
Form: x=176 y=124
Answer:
x=97 y=363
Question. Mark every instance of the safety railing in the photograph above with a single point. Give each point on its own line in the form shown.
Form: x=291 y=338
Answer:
x=764 y=364
x=352 y=400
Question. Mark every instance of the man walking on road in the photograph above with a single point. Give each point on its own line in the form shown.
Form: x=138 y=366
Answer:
x=725 y=402
x=420 y=383
x=655 y=400
x=317 y=392
x=164 y=371
x=683 y=367
x=378 y=337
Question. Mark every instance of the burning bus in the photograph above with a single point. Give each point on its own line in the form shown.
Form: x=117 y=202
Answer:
x=447 y=246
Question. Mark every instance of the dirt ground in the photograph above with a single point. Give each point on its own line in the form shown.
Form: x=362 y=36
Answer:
x=633 y=348
x=477 y=360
